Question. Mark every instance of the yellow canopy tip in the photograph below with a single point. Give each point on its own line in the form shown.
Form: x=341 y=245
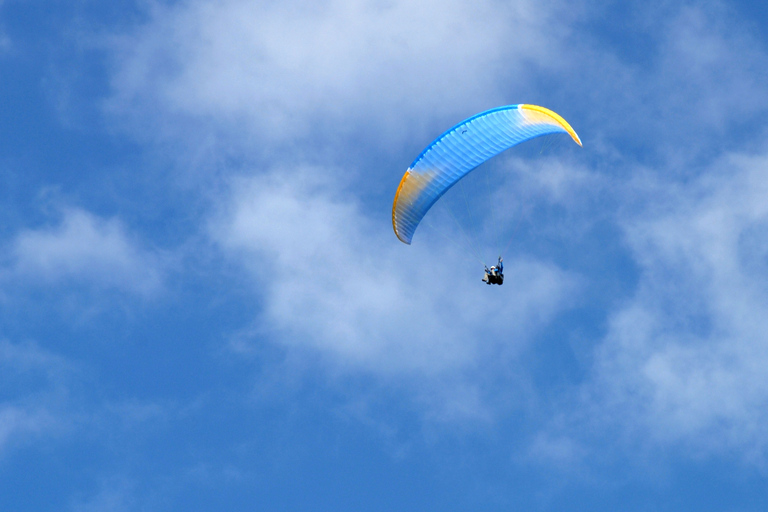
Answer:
x=557 y=118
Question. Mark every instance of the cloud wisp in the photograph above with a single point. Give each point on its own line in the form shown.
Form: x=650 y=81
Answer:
x=276 y=73
x=34 y=391
x=83 y=249
x=678 y=84
x=334 y=281
x=337 y=73
x=683 y=361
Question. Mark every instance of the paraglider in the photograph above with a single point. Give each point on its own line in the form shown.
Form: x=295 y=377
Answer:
x=495 y=274
x=461 y=149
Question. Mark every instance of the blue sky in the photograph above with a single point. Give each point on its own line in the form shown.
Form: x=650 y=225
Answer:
x=203 y=305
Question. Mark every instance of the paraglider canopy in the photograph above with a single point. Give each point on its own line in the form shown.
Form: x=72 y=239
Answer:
x=461 y=149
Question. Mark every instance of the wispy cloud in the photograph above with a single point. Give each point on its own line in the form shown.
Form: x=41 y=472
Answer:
x=32 y=377
x=46 y=398
x=668 y=82
x=333 y=281
x=83 y=249
x=114 y=495
x=20 y=423
x=684 y=361
x=345 y=71
x=5 y=41
x=280 y=72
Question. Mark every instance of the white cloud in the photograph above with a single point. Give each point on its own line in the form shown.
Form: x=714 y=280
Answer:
x=116 y=494
x=32 y=384
x=5 y=41
x=682 y=78
x=681 y=360
x=46 y=397
x=707 y=75
x=328 y=77
x=288 y=70
x=25 y=358
x=562 y=451
x=338 y=283
x=84 y=249
x=18 y=422
x=684 y=361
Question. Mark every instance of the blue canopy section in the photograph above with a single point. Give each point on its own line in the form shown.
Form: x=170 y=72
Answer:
x=461 y=149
